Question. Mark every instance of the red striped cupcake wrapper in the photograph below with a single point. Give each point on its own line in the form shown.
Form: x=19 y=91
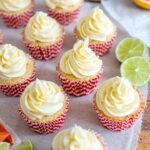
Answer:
x=64 y=18
x=100 y=48
x=17 y=20
x=1 y=37
x=44 y=53
x=47 y=127
x=117 y=125
x=17 y=89
x=79 y=88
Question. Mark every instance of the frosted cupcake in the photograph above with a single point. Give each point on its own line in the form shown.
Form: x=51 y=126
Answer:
x=17 y=70
x=64 y=11
x=118 y=103
x=16 y=13
x=43 y=36
x=80 y=69
x=43 y=106
x=99 y=29
x=77 y=138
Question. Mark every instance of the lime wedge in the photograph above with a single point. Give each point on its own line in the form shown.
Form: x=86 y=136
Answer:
x=4 y=146
x=136 y=70
x=27 y=145
x=130 y=47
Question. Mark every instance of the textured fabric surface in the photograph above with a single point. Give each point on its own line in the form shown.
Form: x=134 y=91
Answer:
x=80 y=108
x=134 y=19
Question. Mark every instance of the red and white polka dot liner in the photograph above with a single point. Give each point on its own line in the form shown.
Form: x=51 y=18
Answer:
x=47 y=127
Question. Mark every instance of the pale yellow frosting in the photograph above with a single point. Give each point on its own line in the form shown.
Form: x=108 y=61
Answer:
x=42 y=28
x=96 y=26
x=116 y=97
x=41 y=99
x=13 y=5
x=81 y=61
x=76 y=138
x=13 y=62
x=63 y=4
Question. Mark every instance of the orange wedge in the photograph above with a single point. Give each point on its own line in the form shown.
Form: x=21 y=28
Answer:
x=143 y=4
x=5 y=136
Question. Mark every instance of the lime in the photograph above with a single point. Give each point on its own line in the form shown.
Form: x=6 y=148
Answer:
x=130 y=47
x=27 y=145
x=4 y=146
x=136 y=70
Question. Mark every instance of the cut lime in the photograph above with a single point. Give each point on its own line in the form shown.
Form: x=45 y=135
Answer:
x=27 y=145
x=136 y=70
x=4 y=146
x=130 y=47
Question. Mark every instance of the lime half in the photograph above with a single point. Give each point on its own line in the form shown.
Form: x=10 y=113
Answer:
x=27 y=145
x=136 y=70
x=4 y=146
x=130 y=47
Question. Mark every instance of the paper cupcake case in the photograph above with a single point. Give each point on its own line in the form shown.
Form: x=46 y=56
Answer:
x=17 y=20
x=47 y=127
x=17 y=89
x=1 y=37
x=118 y=125
x=64 y=18
x=44 y=52
x=79 y=88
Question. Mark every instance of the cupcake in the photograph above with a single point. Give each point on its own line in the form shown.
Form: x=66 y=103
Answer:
x=79 y=69
x=118 y=103
x=16 y=13
x=99 y=29
x=1 y=37
x=77 y=138
x=43 y=106
x=64 y=11
x=17 y=70
x=43 y=36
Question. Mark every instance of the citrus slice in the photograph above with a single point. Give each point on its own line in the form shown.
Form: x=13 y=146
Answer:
x=4 y=146
x=136 y=70
x=143 y=3
x=130 y=47
x=27 y=145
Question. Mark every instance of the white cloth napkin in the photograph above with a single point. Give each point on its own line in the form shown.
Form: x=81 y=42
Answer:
x=134 y=19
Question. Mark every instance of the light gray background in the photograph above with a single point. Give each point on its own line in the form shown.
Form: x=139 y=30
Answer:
x=80 y=110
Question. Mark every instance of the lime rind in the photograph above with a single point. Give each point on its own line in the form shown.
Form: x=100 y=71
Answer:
x=130 y=47
x=136 y=70
x=27 y=145
x=4 y=146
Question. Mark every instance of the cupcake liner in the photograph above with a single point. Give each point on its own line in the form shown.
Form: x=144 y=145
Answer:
x=79 y=88
x=100 y=48
x=119 y=125
x=17 y=89
x=44 y=53
x=64 y=18
x=1 y=37
x=17 y=20
x=47 y=127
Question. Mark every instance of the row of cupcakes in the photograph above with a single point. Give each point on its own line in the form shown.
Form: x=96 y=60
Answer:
x=17 y=13
x=44 y=36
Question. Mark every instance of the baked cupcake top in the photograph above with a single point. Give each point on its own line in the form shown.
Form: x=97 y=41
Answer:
x=117 y=97
x=80 y=61
x=63 y=4
x=42 y=28
x=76 y=138
x=41 y=99
x=13 y=62
x=13 y=5
x=96 y=26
